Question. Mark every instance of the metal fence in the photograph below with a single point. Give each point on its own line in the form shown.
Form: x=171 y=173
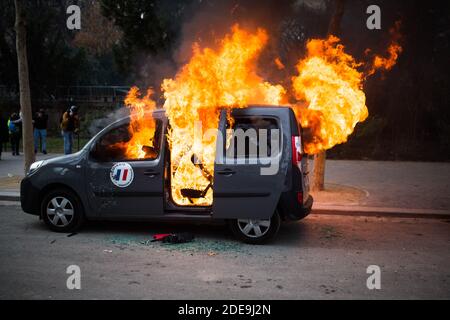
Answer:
x=93 y=96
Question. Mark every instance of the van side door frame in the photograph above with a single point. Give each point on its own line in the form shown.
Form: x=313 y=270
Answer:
x=240 y=190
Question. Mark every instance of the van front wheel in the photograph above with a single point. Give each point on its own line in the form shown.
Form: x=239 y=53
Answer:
x=255 y=231
x=62 y=211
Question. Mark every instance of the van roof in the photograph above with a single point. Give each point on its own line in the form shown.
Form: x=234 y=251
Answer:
x=295 y=126
x=160 y=113
x=253 y=106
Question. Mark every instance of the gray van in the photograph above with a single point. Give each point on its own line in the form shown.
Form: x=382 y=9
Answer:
x=65 y=191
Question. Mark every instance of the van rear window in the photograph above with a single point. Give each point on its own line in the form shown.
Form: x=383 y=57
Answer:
x=251 y=137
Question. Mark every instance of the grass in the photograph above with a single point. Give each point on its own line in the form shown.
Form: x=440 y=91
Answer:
x=56 y=144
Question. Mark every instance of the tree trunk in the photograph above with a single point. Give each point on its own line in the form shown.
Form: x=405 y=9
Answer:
x=319 y=159
x=318 y=183
x=335 y=23
x=25 y=100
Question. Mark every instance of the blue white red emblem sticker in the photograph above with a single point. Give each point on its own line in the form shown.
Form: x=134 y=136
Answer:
x=122 y=174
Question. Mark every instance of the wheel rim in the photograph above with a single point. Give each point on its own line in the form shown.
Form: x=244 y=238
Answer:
x=60 y=211
x=253 y=228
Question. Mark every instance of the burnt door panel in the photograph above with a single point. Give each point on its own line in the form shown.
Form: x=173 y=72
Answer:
x=244 y=194
x=241 y=189
x=112 y=194
x=143 y=197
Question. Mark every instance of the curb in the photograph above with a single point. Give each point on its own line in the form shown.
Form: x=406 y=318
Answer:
x=380 y=212
x=335 y=210
x=9 y=196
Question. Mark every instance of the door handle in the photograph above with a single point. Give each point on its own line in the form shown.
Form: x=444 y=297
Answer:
x=226 y=172
x=151 y=173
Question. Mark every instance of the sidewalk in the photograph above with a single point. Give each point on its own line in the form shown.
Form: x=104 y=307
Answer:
x=384 y=186
x=11 y=173
x=417 y=189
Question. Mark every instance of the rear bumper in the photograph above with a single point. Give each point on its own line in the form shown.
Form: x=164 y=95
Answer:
x=291 y=210
x=29 y=197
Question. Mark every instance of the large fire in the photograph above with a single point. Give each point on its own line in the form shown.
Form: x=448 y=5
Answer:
x=328 y=88
x=225 y=77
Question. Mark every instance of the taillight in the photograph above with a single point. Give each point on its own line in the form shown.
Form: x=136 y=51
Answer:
x=300 y=197
x=296 y=150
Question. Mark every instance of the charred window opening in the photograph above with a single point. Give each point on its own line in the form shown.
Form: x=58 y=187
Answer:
x=113 y=145
x=249 y=133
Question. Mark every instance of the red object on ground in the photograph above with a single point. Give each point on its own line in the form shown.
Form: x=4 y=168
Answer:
x=161 y=236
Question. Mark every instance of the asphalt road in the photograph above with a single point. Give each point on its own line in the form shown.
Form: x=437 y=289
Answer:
x=322 y=257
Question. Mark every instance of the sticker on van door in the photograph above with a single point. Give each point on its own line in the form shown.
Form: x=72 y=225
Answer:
x=122 y=174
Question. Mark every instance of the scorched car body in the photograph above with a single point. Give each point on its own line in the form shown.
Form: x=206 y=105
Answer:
x=94 y=185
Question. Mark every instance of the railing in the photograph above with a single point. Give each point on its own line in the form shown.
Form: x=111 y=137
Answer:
x=93 y=95
x=89 y=95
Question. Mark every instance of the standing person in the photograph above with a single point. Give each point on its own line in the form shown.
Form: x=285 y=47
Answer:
x=4 y=132
x=70 y=123
x=40 y=131
x=15 y=132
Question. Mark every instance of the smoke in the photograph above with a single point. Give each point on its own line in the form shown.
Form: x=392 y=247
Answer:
x=153 y=70
x=99 y=124
x=314 y=5
x=205 y=21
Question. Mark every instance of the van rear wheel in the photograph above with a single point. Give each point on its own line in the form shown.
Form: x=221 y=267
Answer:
x=255 y=231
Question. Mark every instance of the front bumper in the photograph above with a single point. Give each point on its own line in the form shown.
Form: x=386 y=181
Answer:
x=29 y=197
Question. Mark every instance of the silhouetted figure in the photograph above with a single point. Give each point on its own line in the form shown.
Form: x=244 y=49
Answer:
x=40 y=121
x=69 y=125
x=15 y=132
x=4 y=132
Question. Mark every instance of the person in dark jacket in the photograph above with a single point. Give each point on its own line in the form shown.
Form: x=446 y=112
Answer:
x=4 y=132
x=70 y=124
x=40 y=121
x=15 y=132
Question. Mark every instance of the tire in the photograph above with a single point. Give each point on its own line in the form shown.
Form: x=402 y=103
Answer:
x=62 y=211
x=246 y=230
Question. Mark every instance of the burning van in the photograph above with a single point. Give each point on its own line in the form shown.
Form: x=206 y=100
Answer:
x=211 y=150
x=257 y=176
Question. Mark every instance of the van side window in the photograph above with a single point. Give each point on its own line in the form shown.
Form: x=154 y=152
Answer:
x=112 y=146
x=249 y=135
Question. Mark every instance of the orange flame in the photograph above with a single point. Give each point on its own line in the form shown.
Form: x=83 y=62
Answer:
x=379 y=62
x=212 y=79
x=279 y=64
x=394 y=50
x=142 y=126
x=329 y=90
